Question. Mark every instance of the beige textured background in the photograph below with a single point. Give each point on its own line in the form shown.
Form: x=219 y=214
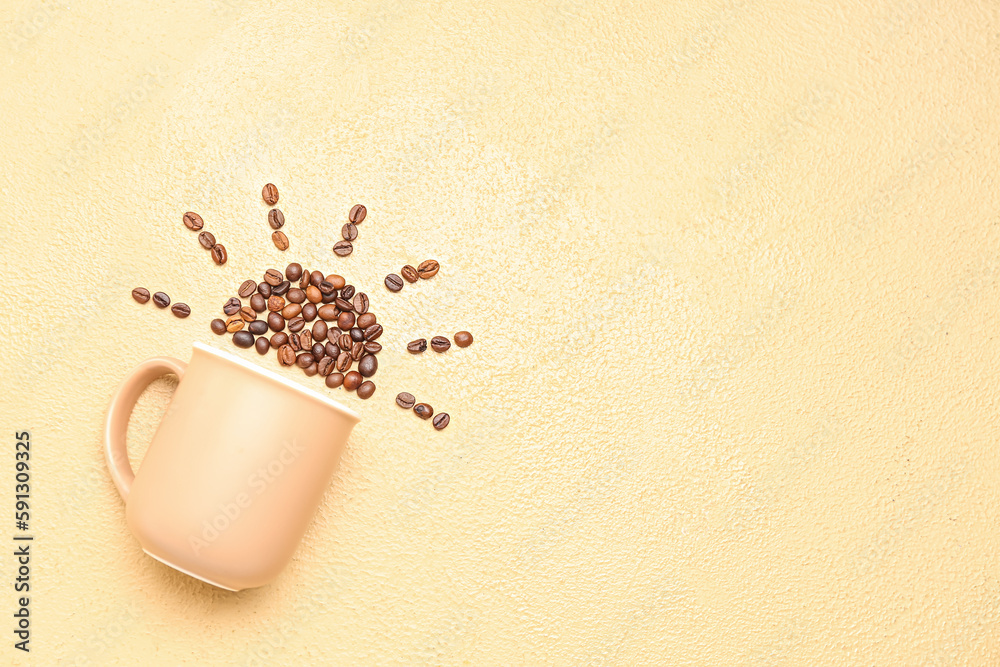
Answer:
x=732 y=268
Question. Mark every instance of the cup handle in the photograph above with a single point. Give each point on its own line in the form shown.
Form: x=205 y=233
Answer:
x=116 y=426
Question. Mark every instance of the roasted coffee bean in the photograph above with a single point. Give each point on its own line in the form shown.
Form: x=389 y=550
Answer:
x=343 y=248
x=218 y=327
x=248 y=314
x=326 y=366
x=311 y=370
x=440 y=344
x=161 y=299
x=319 y=329
x=318 y=349
x=352 y=380
x=463 y=339
x=441 y=420
x=347 y=292
x=373 y=332
x=357 y=351
x=423 y=410
x=345 y=321
x=279 y=339
x=272 y=277
x=410 y=274
x=328 y=312
x=366 y=320
x=428 y=268
x=326 y=288
x=286 y=355
x=258 y=303
x=393 y=282
x=334 y=380
x=405 y=400
x=247 y=289
x=264 y=290
x=276 y=219
x=368 y=365
x=357 y=334
x=140 y=294
x=306 y=337
x=207 y=240
x=219 y=254
x=275 y=304
x=243 y=339
x=270 y=194
x=309 y=312
x=257 y=327
x=344 y=361
x=234 y=323
x=371 y=347
x=357 y=214
x=345 y=342
x=181 y=310
x=332 y=350
x=306 y=280
x=304 y=359
x=276 y=321
x=294 y=270
x=193 y=221
x=280 y=240
x=349 y=231
x=262 y=345
x=291 y=310
x=416 y=346
x=366 y=390
x=296 y=324
x=313 y=294
x=232 y=306
x=295 y=295
x=281 y=288
x=295 y=342
x=344 y=305
x=360 y=302
x=316 y=278
x=337 y=280
x=329 y=298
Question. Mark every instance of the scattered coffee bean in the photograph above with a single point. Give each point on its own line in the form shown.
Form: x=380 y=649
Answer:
x=337 y=281
x=272 y=277
x=161 y=299
x=343 y=304
x=417 y=346
x=344 y=361
x=232 y=306
x=313 y=294
x=326 y=288
x=393 y=282
x=319 y=329
x=286 y=355
x=219 y=255
x=357 y=351
x=258 y=303
x=294 y=270
x=311 y=370
x=181 y=310
x=306 y=280
x=304 y=359
x=264 y=290
x=328 y=312
x=262 y=345
x=140 y=294
x=234 y=323
x=357 y=335
x=279 y=339
x=276 y=219
x=373 y=332
x=316 y=278
x=326 y=366
x=368 y=365
x=307 y=342
x=193 y=221
x=257 y=327
x=345 y=321
x=357 y=214
x=428 y=268
x=318 y=349
x=281 y=288
x=248 y=314
x=347 y=292
x=440 y=344
x=296 y=324
x=291 y=310
x=343 y=248
x=329 y=298
x=295 y=342
x=243 y=339
x=270 y=194
x=207 y=240
x=423 y=410
x=366 y=390
x=441 y=420
x=218 y=327
x=463 y=339
x=247 y=288
x=371 y=347
x=366 y=320
x=280 y=240
x=275 y=304
x=349 y=231
x=361 y=303
x=352 y=380
x=410 y=274
x=295 y=295
x=405 y=400
x=332 y=350
x=276 y=321
x=345 y=342
x=334 y=380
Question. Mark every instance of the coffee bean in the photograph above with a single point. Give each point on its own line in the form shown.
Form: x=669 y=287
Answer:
x=281 y=288
x=276 y=321
x=352 y=380
x=416 y=346
x=337 y=280
x=368 y=365
x=309 y=312
x=366 y=390
x=280 y=240
x=463 y=339
x=318 y=349
x=334 y=380
x=373 y=332
x=347 y=292
x=344 y=361
x=247 y=288
x=276 y=219
x=279 y=339
x=257 y=327
x=219 y=255
x=294 y=270
x=275 y=304
x=264 y=290
x=366 y=320
x=441 y=420
x=207 y=240
x=258 y=303
x=357 y=214
x=328 y=312
x=345 y=321
x=243 y=339
x=332 y=350
x=319 y=329
x=405 y=400
x=291 y=310
x=329 y=298
x=311 y=370
x=295 y=342
x=218 y=327
x=262 y=345
x=423 y=410
x=326 y=288
x=234 y=323
x=248 y=314
x=393 y=282
x=313 y=294
x=345 y=342
x=428 y=268
x=193 y=221
x=232 y=306
x=316 y=278
x=349 y=231
x=440 y=344
x=296 y=324
x=410 y=274
x=181 y=310
x=361 y=303
x=161 y=299
x=357 y=351
x=371 y=347
x=270 y=194
x=306 y=280
x=307 y=342
x=286 y=355
x=343 y=248
x=304 y=359
x=140 y=294
x=272 y=277
x=295 y=295
x=345 y=306
x=357 y=335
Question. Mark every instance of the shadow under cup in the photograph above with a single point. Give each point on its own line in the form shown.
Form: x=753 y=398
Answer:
x=235 y=471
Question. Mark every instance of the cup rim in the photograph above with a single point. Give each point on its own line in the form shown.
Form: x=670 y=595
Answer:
x=271 y=375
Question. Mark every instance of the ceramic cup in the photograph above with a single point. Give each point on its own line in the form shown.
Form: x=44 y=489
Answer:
x=235 y=470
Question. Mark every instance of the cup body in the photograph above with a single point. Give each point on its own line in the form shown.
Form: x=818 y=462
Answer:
x=235 y=471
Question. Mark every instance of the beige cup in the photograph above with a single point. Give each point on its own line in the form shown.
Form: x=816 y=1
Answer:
x=235 y=470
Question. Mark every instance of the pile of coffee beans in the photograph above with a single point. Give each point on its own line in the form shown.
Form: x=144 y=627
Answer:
x=407 y=401
x=162 y=300
x=439 y=343
x=195 y=223
x=316 y=322
x=427 y=269
x=275 y=218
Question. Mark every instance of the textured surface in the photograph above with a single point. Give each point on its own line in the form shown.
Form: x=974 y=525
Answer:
x=732 y=269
